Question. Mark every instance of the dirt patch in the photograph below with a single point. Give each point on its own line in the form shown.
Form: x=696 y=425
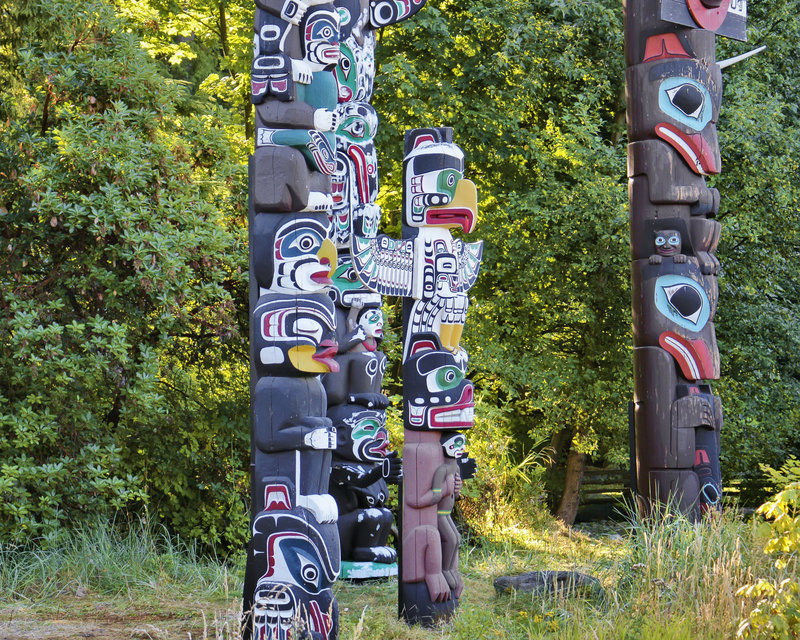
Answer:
x=108 y=621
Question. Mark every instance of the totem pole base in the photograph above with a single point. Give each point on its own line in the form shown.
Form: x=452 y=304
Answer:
x=367 y=570
x=417 y=608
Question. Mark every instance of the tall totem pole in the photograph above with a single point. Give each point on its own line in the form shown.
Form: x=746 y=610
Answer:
x=293 y=555
x=433 y=272
x=674 y=91
x=362 y=463
x=313 y=181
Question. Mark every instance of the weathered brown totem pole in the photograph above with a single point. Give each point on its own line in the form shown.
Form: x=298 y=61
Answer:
x=362 y=463
x=674 y=91
x=433 y=272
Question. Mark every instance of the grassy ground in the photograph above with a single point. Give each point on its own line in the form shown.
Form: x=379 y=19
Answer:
x=662 y=580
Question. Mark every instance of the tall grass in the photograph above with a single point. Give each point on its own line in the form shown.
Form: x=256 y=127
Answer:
x=137 y=560
x=663 y=577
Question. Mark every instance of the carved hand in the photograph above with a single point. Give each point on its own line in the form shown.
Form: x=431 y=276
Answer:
x=326 y=120
x=324 y=438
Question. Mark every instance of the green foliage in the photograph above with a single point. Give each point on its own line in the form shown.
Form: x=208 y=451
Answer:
x=777 y=598
x=535 y=94
x=122 y=264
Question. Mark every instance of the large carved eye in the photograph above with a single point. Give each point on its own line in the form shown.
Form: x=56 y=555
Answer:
x=674 y=240
x=309 y=572
x=298 y=243
x=444 y=378
x=687 y=101
x=688 y=98
x=660 y=241
x=366 y=428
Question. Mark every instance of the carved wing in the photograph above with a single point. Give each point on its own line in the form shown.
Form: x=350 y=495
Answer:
x=469 y=263
x=384 y=265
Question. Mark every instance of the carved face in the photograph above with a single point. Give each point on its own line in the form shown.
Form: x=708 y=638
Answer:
x=356 y=69
x=371 y=321
x=355 y=181
x=454 y=445
x=436 y=193
x=347 y=288
x=439 y=397
x=321 y=36
x=304 y=257
x=295 y=334
x=681 y=97
x=361 y=433
x=295 y=587
x=668 y=242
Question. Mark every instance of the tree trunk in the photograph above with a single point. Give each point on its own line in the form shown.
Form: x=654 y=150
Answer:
x=568 y=507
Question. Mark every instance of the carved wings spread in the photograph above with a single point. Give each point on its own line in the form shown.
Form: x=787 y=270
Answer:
x=384 y=265
x=469 y=262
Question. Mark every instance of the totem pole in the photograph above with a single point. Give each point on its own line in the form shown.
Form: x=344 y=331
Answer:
x=293 y=555
x=674 y=91
x=433 y=272
x=362 y=462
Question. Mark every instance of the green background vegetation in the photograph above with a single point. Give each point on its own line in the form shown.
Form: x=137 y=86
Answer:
x=124 y=133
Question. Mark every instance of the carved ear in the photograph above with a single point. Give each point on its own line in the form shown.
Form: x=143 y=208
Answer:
x=422 y=342
x=421 y=137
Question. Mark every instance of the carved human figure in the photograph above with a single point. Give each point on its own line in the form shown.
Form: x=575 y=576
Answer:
x=667 y=245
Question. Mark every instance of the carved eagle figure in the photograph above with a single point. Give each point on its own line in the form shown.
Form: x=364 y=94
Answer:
x=428 y=264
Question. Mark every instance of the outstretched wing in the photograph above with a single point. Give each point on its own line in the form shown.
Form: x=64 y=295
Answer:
x=469 y=263
x=383 y=264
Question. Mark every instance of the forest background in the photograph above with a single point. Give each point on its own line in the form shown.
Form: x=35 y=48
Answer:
x=124 y=135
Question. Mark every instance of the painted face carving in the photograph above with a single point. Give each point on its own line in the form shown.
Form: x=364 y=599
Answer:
x=371 y=321
x=688 y=95
x=437 y=193
x=356 y=69
x=347 y=288
x=304 y=257
x=321 y=36
x=295 y=587
x=295 y=333
x=355 y=181
x=454 y=445
x=668 y=242
x=361 y=435
x=439 y=395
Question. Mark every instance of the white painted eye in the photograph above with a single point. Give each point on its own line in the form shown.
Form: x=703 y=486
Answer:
x=661 y=241
x=309 y=572
x=308 y=327
x=674 y=241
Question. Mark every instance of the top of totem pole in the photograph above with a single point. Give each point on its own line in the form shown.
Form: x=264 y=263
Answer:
x=724 y=17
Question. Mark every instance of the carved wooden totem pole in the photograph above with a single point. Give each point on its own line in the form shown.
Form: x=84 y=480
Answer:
x=674 y=91
x=433 y=272
x=362 y=463
x=293 y=556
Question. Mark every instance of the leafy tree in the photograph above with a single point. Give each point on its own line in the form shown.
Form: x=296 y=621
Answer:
x=123 y=258
x=534 y=91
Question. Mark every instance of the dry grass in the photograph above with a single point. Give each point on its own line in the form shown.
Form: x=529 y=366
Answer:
x=662 y=578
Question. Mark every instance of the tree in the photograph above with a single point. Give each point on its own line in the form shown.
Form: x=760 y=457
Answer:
x=535 y=93
x=123 y=258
